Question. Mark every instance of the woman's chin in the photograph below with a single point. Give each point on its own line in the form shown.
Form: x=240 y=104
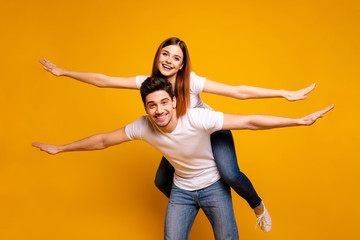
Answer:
x=167 y=73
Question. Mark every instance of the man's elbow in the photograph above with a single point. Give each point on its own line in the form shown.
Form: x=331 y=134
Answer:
x=251 y=127
x=103 y=143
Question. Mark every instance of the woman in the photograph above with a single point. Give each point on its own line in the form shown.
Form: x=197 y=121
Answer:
x=172 y=61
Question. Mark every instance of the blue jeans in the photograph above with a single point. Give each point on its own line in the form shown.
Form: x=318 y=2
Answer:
x=216 y=203
x=223 y=148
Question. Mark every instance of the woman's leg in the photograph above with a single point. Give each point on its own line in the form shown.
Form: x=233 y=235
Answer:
x=223 y=148
x=164 y=177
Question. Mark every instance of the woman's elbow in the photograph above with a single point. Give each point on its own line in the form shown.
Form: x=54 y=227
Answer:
x=101 y=81
x=240 y=93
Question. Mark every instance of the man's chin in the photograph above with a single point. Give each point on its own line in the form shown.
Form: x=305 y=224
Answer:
x=161 y=124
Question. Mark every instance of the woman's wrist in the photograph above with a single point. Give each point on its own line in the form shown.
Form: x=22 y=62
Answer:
x=64 y=72
x=283 y=93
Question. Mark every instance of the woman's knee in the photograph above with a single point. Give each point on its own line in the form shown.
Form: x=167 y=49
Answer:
x=232 y=177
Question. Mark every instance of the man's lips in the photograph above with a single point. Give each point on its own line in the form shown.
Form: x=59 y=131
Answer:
x=160 y=117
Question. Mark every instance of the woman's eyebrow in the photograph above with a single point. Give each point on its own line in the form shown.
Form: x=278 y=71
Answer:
x=169 y=52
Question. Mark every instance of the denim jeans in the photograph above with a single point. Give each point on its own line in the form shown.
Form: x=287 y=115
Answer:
x=216 y=203
x=223 y=148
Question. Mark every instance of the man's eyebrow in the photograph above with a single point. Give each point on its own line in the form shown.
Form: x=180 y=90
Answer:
x=160 y=100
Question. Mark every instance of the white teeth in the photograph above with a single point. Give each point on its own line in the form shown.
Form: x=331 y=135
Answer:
x=160 y=117
x=167 y=67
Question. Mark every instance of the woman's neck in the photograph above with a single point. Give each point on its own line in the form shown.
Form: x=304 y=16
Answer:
x=172 y=80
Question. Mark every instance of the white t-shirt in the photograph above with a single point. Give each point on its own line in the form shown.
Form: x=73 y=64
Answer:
x=196 y=87
x=187 y=148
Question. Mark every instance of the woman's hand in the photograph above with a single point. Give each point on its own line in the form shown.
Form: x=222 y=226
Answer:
x=50 y=67
x=300 y=94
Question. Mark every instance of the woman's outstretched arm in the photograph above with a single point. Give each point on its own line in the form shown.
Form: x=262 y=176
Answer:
x=96 y=79
x=247 y=92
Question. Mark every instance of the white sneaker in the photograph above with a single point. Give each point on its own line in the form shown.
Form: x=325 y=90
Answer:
x=264 y=221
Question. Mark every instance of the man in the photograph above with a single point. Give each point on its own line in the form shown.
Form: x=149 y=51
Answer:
x=185 y=142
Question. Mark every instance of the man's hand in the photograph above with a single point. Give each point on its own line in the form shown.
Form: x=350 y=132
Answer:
x=310 y=119
x=50 y=67
x=300 y=94
x=49 y=148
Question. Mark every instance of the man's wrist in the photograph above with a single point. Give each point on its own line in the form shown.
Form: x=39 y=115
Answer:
x=299 y=122
x=61 y=148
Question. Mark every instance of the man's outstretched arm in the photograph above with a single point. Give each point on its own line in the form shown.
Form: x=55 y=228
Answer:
x=95 y=142
x=260 y=122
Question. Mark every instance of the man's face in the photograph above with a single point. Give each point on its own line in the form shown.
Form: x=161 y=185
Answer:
x=160 y=108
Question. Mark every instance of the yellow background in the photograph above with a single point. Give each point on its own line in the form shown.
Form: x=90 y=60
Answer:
x=307 y=176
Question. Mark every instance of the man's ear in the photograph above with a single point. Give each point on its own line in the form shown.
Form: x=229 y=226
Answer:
x=174 y=102
x=146 y=110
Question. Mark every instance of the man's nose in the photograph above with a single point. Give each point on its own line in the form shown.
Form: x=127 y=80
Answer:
x=159 y=109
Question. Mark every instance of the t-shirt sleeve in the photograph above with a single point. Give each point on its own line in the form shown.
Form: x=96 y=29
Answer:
x=140 y=79
x=136 y=129
x=207 y=120
x=196 y=83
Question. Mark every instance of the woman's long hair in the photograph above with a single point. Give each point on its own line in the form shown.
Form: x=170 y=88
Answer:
x=182 y=84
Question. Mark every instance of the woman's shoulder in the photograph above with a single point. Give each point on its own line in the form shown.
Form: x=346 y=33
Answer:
x=193 y=75
x=196 y=82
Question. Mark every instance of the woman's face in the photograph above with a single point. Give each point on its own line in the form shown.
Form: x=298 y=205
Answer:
x=170 y=60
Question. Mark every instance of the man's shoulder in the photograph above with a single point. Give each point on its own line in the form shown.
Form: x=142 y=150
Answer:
x=138 y=128
x=192 y=112
x=199 y=111
x=141 y=122
x=201 y=114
